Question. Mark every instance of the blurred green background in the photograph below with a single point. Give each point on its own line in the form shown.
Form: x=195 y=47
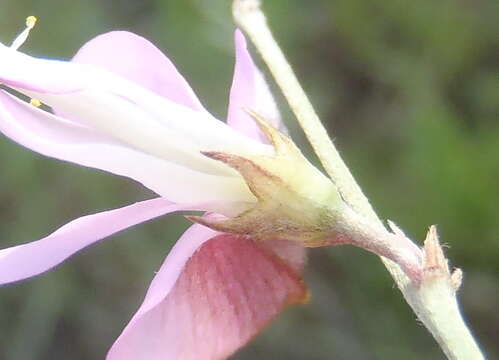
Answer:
x=408 y=89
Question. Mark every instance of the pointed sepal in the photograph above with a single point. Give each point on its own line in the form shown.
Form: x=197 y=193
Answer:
x=295 y=200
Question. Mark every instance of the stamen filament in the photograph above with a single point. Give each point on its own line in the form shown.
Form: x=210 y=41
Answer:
x=21 y=38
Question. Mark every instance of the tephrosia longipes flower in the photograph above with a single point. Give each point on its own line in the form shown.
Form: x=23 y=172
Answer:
x=121 y=106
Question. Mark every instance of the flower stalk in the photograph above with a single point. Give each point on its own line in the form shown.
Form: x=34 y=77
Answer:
x=431 y=289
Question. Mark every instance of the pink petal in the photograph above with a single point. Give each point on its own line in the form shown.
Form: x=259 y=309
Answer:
x=55 y=137
x=250 y=91
x=211 y=296
x=135 y=58
x=125 y=110
x=27 y=260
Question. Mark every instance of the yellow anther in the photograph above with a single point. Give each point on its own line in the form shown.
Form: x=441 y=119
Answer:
x=31 y=21
x=35 y=102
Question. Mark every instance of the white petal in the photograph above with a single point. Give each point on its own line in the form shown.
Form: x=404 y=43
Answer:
x=53 y=136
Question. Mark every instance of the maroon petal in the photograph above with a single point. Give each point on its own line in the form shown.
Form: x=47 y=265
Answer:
x=207 y=303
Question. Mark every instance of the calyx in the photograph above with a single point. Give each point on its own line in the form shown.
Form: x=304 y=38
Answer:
x=295 y=201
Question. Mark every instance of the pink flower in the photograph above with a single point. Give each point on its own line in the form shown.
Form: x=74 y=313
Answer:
x=122 y=107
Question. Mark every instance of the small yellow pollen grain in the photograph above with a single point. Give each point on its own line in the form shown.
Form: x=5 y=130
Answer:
x=31 y=21
x=35 y=102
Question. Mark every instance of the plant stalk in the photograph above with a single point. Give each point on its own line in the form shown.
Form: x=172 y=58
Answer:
x=433 y=296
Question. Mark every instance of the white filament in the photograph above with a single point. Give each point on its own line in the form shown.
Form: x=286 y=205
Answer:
x=21 y=38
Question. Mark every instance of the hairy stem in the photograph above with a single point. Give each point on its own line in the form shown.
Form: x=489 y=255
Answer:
x=433 y=298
